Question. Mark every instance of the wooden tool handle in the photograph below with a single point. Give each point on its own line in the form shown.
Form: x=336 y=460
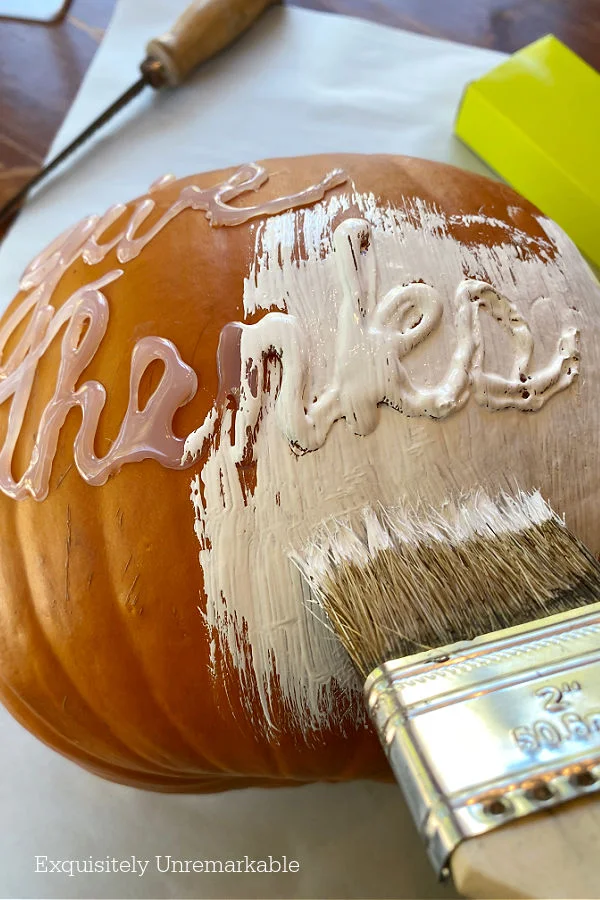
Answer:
x=551 y=854
x=205 y=28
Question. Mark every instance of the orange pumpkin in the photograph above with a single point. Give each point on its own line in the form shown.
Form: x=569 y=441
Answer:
x=108 y=650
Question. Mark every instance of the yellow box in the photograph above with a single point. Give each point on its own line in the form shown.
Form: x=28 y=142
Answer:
x=535 y=120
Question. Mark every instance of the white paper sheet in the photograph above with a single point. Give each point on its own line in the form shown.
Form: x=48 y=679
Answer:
x=299 y=83
x=32 y=10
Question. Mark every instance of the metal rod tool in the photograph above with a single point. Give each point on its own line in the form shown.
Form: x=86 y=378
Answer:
x=203 y=30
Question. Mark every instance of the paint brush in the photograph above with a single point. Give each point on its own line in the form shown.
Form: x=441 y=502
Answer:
x=477 y=629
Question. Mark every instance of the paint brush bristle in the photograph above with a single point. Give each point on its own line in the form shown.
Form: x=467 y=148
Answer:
x=402 y=581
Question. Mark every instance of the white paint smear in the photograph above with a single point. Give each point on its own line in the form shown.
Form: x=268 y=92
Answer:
x=254 y=595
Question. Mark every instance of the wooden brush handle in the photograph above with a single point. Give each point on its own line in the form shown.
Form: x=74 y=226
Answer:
x=550 y=854
x=205 y=28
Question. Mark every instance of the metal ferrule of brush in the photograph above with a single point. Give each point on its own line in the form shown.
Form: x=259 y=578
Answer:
x=483 y=732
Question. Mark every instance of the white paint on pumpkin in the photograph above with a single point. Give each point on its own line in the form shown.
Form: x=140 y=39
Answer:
x=254 y=595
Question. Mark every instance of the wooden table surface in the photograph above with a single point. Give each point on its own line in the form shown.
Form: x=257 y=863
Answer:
x=41 y=66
